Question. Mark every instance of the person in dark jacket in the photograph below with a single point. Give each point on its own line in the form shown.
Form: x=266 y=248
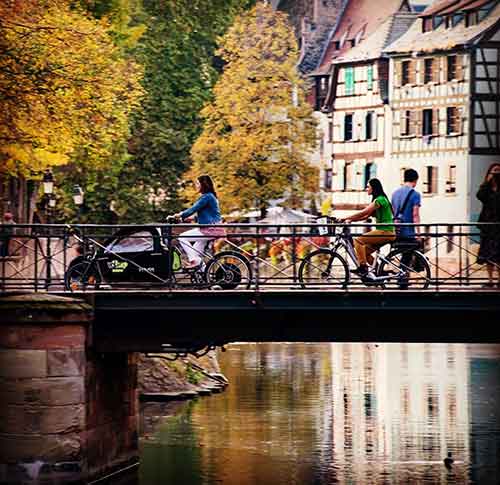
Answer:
x=208 y=212
x=489 y=247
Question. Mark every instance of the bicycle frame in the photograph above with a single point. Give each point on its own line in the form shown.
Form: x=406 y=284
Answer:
x=345 y=240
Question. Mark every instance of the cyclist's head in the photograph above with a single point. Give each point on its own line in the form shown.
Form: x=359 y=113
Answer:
x=206 y=184
x=410 y=175
x=377 y=188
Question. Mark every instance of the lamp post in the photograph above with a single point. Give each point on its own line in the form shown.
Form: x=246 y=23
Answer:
x=48 y=182
x=78 y=198
x=50 y=203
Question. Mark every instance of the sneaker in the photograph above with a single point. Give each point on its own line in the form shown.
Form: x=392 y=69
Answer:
x=360 y=270
x=369 y=277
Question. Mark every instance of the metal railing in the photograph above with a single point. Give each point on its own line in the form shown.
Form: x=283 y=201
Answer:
x=36 y=258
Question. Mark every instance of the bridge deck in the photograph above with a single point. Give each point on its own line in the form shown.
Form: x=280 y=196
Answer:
x=143 y=321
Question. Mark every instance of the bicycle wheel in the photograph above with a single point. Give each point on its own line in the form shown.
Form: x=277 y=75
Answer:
x=323 y=268
x=229 y=270
x=81 y=276
x=408 y=269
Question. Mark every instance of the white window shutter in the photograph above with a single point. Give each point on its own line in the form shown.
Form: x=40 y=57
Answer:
x=341 y=121
x=359 y=168
x=374 y=125
x=338 y=178
x=362 y=126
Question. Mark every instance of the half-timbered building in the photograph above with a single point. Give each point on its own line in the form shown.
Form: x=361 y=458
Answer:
x=445 y=103
x=351 y=87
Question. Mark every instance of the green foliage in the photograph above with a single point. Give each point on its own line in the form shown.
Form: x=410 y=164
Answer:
x=177 y=52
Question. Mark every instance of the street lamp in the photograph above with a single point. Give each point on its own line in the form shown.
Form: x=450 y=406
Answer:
x=52 y=201
x=78 y=195
x=48 y=182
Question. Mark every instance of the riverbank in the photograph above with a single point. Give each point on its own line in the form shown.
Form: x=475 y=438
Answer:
x=160 y=379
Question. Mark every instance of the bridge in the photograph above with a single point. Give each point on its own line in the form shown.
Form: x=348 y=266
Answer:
x=77 y=303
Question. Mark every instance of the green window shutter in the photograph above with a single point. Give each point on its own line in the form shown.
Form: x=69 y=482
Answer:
x=369 y=77
x=349 y=81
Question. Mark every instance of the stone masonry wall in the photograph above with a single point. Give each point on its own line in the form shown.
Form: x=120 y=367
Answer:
x=59 y=400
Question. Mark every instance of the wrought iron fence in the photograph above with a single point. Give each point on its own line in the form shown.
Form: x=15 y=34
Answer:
x=69 y=258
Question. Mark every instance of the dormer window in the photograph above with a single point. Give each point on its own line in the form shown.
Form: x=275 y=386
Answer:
x=471 y=18
x=457 y=18
x=427 y=24
x=437 y=20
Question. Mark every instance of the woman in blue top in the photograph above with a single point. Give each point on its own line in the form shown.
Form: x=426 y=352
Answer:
x=208 y=212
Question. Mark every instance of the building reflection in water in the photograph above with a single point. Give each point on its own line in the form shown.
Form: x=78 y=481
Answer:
x=398 y=409
x=299 y=414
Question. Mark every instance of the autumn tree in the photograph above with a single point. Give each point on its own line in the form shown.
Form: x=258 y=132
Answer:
x=64 y=88
x=259 y=130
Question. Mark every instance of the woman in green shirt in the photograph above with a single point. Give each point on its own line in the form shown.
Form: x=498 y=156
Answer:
x=366 y=244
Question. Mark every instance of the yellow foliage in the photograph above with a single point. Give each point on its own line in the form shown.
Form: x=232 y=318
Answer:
x=64 y=86
x=259 y=130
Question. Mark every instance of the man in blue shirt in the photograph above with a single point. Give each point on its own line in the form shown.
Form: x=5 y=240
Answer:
x=406 y=203
x=411 y=211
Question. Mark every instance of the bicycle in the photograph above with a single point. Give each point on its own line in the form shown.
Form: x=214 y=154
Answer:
x=402 y=268
x=151 y=256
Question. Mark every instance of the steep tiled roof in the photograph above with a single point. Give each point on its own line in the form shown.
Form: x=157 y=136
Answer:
x=443 y=38
x=450 y=6
x=359 y=20
x=313 y=53
x=372 y=47
x=437 y=6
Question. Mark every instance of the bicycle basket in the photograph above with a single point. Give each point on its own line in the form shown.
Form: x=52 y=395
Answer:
x=325 y=230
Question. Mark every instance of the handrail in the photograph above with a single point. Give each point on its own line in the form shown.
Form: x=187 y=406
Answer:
x=36 y=257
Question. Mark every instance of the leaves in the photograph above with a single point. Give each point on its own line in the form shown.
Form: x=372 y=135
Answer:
x=259 y=129
x=64 y=87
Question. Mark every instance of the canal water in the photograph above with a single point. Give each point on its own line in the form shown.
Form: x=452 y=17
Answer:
x=334 y=413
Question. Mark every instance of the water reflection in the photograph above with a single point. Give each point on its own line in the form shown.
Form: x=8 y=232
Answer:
x=335 y=413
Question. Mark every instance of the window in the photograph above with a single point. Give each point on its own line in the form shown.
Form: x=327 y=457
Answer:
x=405 y=72
x=457 y=18
x=447 y=22
x=348 y=127
x=429 y=71
x=431 y=180
x=427 y=122
x=349 y=80
x=471 y=18
x=402 y=175
x=336 y=45
x=321 y=91
x=369 y=125
x=406 y=125
x=330 y=131
x=452 y=68
x=369 y=77
x=437 y=20
x=327 y=179
x=137 y=242
x=453 y=120
x=370 y=172
x=451 y=180
x=427 y=24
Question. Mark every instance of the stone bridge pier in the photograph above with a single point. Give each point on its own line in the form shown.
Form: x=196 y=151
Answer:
x=66 y=411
